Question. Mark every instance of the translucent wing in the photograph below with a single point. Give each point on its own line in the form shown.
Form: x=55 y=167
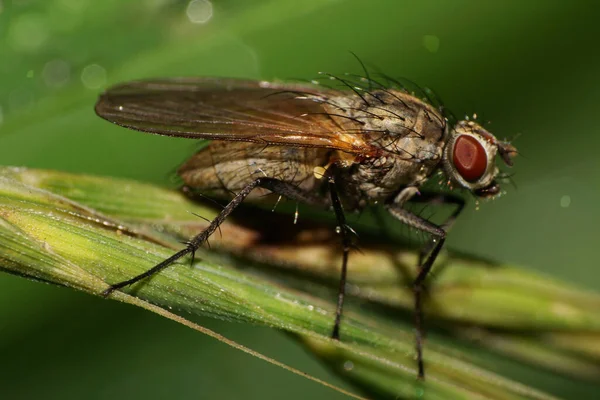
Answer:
x=229 y=109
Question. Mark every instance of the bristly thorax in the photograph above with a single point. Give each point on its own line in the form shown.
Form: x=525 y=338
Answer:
x=408 y=133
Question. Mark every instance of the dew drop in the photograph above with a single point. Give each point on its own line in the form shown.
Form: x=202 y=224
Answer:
x=348 y=365
x=431 y=43
x=93 y=76
x=28 y=32
x=199 y=11
x=565 y=201
x=56 y=73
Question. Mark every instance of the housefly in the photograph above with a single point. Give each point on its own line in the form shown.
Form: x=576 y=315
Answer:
x=342 y=149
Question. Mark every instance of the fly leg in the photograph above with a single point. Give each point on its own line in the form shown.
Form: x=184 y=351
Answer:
x=274 y=185
x=439 y=199
x=344 y=231
x=428 y=255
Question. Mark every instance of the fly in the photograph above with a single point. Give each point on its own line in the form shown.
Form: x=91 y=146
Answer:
x=341 y=150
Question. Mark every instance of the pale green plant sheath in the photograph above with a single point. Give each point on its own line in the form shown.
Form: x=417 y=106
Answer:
x=84 y=232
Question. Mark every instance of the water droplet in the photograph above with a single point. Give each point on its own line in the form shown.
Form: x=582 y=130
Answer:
x=311 y=308
x=431 y=43
x=56 y=73
x=565 y=201
x=348 y=365
x=199 y=11
x=93 y=76
x=28 y=32
x=338 y=229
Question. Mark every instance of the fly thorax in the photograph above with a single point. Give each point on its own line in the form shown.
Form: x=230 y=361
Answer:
x=379 y=178
x=408 y=136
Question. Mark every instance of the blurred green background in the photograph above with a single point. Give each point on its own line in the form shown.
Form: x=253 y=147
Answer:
x=530 y=67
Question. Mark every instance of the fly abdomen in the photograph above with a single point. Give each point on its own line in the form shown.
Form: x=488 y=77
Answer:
x=225 y=167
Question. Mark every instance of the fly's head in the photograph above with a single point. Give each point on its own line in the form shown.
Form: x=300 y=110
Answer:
x=470 y=158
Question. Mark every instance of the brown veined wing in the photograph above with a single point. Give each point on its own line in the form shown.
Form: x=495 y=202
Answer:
x=230 y=109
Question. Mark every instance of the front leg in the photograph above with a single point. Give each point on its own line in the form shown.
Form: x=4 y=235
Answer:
x=435 y=198
x=438 y=235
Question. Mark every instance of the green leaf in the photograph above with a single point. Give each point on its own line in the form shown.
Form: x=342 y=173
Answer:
x=84 y=232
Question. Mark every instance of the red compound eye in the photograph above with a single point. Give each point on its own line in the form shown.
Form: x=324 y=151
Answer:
x=469 y=157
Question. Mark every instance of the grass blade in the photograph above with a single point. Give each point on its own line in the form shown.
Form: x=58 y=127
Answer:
x=82 y=232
